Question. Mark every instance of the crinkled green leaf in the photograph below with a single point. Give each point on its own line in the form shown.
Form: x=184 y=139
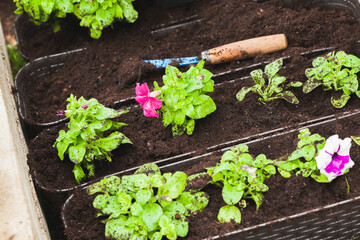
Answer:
x=307 y=152
x=112 y=141
x=151 y=215
x=174 y=185
x=229 y=213
x=149 y=168
x=242 y=93
x=258 y=199
x=136 y=182
x=78 y=173
x=231 y=194
x=180 y=223
x=116 y=228
x=272 y=68
x=128 y=10
x=289 y=97
x=136 y=209
x=257 y=75
x=143 y=196
x=88 y=7
x=356 y=139
x=310 y=85
x=341 y=102
x=105 y=16
x=320 y=178
x=351 y=83
x=193 y=201
x=190 y=127
x=77 y=153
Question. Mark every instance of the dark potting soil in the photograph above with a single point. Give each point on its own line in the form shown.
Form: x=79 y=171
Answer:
x=114 y=58
x=285 y=196
x=231 y=121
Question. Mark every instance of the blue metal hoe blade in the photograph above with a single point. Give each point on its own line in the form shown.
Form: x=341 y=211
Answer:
x=162 y=63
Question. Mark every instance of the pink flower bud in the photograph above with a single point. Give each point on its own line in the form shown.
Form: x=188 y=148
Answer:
x=60 y=112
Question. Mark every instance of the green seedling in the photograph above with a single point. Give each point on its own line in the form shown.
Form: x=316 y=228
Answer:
x=85 y=140
x=241 y=177
x=185 y=98
x=334 y=71
x=276 y=88
x=146 y=205
x=94 y=14
x=302 y=160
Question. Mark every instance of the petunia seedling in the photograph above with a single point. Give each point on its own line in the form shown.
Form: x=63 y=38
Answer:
x=85 y=141
x=94 y=14
x=147 y=100
x=242 y=177
x=184 y=98
x=146 y=205
x=334 y=71
x=314 y=157
x=276 y=87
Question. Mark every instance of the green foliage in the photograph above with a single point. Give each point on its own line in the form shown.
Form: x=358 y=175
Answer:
x=16 y=60
x=94 y=14
x=184 y=97
x=356 y=139
x=85 y=141
x=334 y=71
x=274 y=89
x=242 y=177
x=302 y=160
x=146 y=205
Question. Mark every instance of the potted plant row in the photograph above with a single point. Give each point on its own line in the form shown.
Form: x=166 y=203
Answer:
x=30 y=47
x=209 y=116
x=92 y=135
x=113 y=78
x=282 y=197
x=59 y=18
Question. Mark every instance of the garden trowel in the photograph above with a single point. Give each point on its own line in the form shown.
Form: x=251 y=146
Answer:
x=230 y=52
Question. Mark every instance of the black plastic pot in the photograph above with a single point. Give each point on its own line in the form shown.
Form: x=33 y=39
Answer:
x=23 y=82
x=317 y=223
x=50 y=64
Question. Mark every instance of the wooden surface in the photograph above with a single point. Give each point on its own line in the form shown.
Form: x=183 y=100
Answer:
x=20 y=214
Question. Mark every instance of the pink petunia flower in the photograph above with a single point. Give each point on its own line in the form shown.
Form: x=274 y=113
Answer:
x=148 y=100
x=85 y=106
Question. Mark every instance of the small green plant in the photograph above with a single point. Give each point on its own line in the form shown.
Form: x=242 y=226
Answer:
x=242 y=177
x=85 y=141
x=94 y=14
x=146 y=205
x=185 y=98
x=274 y=89
x=314 y=157
x=302 y=160
x=16 y=60
x=334 y=71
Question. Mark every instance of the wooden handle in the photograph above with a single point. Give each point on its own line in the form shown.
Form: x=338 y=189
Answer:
x=245 y=49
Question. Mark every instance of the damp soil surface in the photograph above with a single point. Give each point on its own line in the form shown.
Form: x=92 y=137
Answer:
x=229 y=124
x=109 y=68
x=285 y=196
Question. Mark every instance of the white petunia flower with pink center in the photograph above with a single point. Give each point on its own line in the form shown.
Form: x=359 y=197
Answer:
x=334 y=159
